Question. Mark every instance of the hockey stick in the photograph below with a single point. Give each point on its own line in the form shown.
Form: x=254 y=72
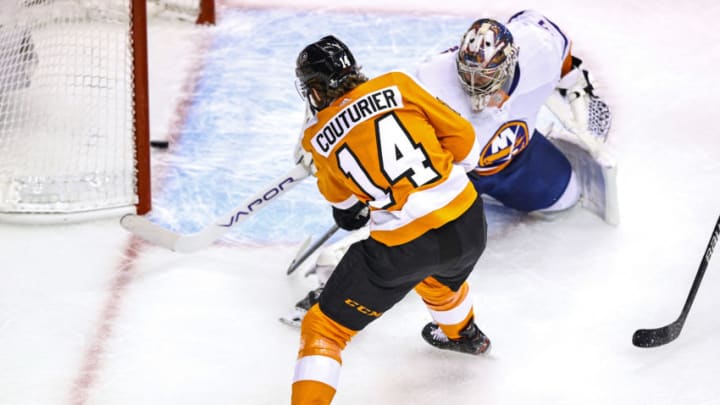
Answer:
x=668 y=333
x=187 y=243
x=305 y=253
x=159 y=144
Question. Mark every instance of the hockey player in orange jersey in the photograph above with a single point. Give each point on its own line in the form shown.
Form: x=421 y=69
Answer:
x=386 y=151
x=499 y=77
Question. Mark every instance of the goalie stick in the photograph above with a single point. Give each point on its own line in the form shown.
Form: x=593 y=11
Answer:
x=304 y=253
x=188 y=243
x=666 y=334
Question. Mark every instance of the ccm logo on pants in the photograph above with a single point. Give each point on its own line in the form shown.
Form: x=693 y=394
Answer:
x=362 y=308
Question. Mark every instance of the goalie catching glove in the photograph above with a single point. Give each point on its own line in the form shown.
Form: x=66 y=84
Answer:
x=576 y=82
x=590 y=112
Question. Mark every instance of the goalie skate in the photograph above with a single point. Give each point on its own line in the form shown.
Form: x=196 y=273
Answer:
x=294 y=318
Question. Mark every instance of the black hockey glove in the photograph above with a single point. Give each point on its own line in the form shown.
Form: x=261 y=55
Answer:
x=352 y=218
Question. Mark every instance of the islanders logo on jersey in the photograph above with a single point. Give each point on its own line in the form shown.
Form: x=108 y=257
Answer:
x=509 y=140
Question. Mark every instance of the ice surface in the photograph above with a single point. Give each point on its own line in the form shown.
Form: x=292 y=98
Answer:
x=90 y=316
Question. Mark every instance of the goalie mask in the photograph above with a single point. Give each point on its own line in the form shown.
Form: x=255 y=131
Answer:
x=323 y=65
x=486 y=60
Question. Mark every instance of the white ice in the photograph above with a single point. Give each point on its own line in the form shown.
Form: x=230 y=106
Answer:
x=90 y=316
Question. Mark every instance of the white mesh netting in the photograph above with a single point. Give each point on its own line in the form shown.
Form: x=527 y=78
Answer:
x=66 y=105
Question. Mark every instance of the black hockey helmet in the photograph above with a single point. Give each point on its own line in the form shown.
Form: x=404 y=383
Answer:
x=324 y=64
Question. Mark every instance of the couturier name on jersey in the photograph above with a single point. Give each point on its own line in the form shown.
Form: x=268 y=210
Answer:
x=361 y=110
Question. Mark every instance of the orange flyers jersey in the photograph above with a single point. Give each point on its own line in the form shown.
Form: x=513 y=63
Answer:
x=393 y=145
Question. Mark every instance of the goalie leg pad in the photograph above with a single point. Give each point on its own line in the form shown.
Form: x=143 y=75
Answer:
x=330 y=256
x=597 y=179
x=324 y=266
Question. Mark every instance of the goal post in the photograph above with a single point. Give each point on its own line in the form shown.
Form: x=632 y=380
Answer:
x=74 y=107
x=138 y=33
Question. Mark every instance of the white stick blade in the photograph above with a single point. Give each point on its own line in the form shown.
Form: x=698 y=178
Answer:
x=149 y=231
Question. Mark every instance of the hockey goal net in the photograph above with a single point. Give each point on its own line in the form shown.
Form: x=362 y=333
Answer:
x=74 y=140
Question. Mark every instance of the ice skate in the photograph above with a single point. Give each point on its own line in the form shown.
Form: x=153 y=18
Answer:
x=472 y=340
x=295 y=317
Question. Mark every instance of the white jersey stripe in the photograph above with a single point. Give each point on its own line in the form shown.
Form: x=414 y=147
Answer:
x=421 y=203
x=318 y=368
x=471 y=161
x=453 y=316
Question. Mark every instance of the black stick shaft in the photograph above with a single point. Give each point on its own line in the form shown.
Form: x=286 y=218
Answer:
x=701 y=271
x=660 y=336
x=309 y=251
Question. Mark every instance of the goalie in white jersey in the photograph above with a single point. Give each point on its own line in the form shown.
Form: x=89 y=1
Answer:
x=498 y=78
